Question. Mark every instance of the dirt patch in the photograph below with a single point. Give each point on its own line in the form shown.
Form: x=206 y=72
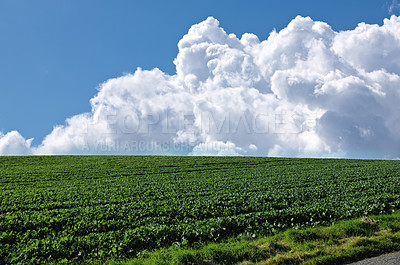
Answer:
x=369 y=220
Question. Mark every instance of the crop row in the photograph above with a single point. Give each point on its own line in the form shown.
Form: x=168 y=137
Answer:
x=86 y=208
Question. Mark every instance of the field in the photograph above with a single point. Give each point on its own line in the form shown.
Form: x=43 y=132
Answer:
x=90 y=208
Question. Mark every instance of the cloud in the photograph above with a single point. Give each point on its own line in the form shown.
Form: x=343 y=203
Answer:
x=216 y=148
x=304 y=91
x=13 y=143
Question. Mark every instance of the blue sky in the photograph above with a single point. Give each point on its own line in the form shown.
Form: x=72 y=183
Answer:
x=55 y=53
x=57 y=59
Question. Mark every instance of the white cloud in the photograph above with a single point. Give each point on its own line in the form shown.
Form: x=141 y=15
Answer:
x=216 y=148
x=305 y=91
x=371 y=47
x=13 y=143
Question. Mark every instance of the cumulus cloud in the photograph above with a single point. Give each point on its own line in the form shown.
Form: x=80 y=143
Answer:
x=13 y=143
x=304 y=91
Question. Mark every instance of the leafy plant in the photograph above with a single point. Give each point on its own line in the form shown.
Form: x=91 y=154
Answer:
x=93 y=208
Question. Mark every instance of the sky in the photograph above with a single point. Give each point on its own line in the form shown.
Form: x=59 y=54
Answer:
x=63 y=61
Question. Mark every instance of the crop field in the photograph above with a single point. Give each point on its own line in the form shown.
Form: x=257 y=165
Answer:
x=91 y=208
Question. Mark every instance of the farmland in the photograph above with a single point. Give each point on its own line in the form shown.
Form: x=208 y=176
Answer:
x=90 y=208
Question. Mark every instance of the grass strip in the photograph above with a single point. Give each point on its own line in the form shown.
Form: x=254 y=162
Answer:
x=340 y=243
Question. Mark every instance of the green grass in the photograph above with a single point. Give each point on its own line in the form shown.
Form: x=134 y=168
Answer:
x=341 y=243
x=92 y=209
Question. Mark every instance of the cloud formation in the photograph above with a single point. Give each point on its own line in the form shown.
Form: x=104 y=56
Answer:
x=13 y=143
x=305 y=91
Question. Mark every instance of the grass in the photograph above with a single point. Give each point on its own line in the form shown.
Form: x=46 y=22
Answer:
x=340 y=243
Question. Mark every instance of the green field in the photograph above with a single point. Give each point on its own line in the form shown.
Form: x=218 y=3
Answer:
x=91 y=208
